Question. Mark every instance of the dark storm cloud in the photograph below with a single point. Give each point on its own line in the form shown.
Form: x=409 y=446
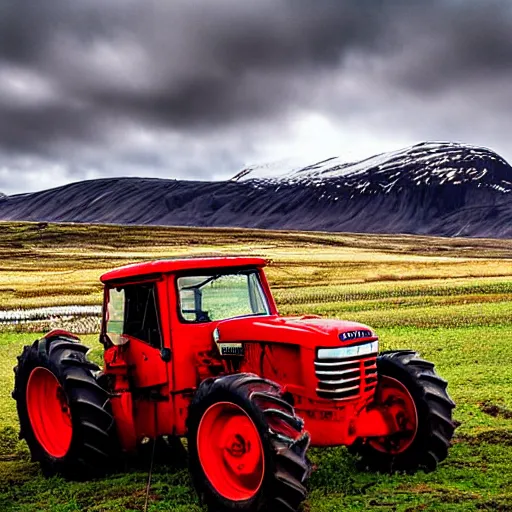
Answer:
x=184 y=63
x=78 y=78
x=453 y=43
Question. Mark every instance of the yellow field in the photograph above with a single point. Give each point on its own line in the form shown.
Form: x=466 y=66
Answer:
x=48 y=265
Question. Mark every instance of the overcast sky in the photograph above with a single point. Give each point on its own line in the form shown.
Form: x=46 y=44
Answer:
x=198 y=89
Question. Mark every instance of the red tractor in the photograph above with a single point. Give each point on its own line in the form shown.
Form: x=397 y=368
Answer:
x=195 y=348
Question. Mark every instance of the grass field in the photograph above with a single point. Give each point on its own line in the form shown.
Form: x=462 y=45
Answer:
x=449 y=299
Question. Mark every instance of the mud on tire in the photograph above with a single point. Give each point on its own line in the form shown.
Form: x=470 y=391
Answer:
x=283 y=442
x=434 y=408
x=62 y=362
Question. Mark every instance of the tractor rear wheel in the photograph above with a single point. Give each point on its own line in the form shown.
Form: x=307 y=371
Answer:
x=247 y=449
x=64 y=414
x=413 y=392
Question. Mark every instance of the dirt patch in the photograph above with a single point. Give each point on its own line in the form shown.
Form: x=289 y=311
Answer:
x=496 y=411
x=494 y=505
x=496 y=436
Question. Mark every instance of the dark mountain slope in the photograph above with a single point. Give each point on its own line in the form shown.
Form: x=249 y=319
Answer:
x=434 y=188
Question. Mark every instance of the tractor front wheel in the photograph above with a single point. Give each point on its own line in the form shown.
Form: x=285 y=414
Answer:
x=247 y=449
x=412 y=392
x=64 y=413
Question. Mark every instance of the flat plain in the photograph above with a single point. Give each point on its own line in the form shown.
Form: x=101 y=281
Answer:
x=450 y=299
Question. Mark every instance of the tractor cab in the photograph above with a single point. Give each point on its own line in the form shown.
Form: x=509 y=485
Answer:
x=168 y=311
x=206 y=290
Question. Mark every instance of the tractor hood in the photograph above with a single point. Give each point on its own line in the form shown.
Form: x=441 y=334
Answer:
x=308 y=331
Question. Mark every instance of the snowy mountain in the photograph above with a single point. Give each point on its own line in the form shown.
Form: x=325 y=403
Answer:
x=431 y=188
x=429 y=163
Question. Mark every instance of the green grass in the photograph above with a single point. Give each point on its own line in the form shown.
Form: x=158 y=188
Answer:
x=449 y=299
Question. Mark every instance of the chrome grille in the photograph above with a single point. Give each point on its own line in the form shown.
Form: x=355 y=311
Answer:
x=345 y=378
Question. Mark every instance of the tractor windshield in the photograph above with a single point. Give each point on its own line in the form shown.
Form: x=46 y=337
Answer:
x=205 y=298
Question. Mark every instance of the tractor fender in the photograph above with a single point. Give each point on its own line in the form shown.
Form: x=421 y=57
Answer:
x=60 y=332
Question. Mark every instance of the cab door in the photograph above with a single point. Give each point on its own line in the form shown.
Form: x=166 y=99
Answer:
x=140 y=308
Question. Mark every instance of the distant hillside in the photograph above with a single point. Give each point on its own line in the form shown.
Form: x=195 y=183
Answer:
x=431 y=188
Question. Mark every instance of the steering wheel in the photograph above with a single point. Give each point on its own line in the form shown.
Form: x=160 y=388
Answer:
x=201 y=316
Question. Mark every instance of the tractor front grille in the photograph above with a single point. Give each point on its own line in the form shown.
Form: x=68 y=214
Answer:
x=344 y=378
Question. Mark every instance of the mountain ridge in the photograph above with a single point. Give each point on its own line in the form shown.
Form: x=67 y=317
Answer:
x=432 y=188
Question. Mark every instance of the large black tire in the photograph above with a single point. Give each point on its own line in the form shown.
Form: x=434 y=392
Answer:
x=434 y=412
x=93 y=442
x=282 y=435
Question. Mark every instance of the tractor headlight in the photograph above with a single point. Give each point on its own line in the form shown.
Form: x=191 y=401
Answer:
x=346 y=352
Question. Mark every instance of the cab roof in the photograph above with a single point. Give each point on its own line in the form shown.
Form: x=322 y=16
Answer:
x=167 y=266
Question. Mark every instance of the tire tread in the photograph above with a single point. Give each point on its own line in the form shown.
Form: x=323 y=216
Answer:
x=93 y=445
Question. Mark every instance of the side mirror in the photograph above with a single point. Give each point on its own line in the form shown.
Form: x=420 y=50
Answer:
x=165 y=354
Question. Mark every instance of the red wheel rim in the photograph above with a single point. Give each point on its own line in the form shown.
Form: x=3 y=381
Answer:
x=399 y=404
x=48 y=412
x=230 y=451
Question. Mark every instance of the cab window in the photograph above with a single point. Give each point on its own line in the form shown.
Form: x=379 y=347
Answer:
x=133 y=311
x=219 y=296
